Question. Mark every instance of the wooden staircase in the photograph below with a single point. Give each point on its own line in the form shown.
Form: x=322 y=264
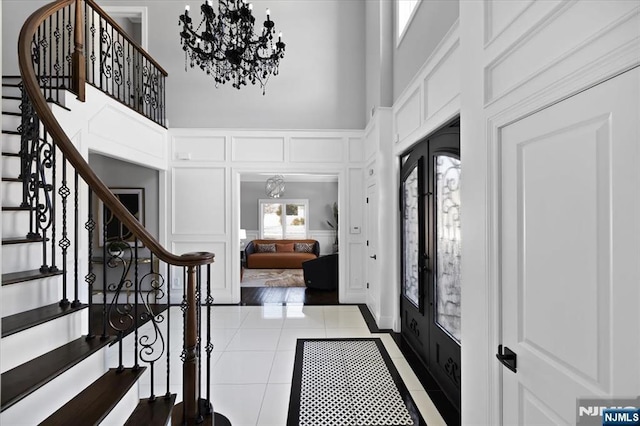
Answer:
x=54 y=369
x=62 y=353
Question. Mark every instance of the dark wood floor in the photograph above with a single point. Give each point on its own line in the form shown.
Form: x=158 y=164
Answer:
x=250 y=296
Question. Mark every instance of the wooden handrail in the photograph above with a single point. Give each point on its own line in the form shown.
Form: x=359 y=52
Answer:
x=65 y=145
x=123 y=33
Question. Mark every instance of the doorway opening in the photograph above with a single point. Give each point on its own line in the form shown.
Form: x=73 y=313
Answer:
x=289 y=250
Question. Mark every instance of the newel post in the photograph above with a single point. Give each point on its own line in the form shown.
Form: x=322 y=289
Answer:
x=79 y=66
x=190 y=385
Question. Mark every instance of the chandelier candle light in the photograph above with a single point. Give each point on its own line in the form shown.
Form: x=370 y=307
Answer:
x=226 y=47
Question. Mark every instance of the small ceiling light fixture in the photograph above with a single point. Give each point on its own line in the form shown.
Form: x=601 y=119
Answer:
x=226 y=47
x=275 y=186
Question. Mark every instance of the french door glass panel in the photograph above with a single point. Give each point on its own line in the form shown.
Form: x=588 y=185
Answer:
x=411 y=237
x=448 y=244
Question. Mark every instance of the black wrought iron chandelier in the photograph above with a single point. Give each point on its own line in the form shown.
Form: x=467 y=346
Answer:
x=226 y=47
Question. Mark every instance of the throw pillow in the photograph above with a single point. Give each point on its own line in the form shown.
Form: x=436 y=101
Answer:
x=284 y=248
x=265 y=248
x=303 y=247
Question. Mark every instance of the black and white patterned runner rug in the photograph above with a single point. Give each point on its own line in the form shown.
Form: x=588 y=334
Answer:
x=348 y=382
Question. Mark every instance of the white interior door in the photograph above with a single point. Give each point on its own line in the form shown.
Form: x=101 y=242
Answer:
x=570 y=222
x=373 y=298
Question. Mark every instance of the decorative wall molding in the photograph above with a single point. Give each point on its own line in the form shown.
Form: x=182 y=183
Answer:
x=201 y=148
x=114 y=130
x=509 y=13
x=213 y=162
x=257 y=149
x=546 y=50
x=198 y=201
x=433 y=97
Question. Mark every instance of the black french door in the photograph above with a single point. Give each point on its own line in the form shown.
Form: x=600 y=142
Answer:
x=430 y=233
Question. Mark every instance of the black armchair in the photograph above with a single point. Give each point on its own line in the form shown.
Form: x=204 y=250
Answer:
x=321 y=273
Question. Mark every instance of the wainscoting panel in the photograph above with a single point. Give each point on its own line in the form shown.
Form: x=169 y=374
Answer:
x=599 y=30
x=198 y=201
x=356 y=150
x=316 y=150
x=499 y=15
x=442 y=85
x=408 y=116
x=198 y=148
x=257 y=149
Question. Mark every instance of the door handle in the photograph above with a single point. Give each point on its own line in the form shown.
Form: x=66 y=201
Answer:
x=374 y=257
x=508 y=358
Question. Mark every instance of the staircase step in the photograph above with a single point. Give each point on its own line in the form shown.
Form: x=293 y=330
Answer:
x=13 y=98
x=11 y=154
x=15 y=114
x=8 y=179
x=21 y=240
x=18 y=277
x=27 y=319
x=11 y=132
x=152 y=413
x=94 y=403
x=24 y=379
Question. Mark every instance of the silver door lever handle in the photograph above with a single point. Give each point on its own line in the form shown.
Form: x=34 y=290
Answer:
x=374 y=257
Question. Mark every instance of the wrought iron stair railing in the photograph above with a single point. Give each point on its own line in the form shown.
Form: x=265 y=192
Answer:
x=57 y=181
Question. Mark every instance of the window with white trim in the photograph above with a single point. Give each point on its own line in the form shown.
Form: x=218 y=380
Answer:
x=404 y=12
x=283 y=219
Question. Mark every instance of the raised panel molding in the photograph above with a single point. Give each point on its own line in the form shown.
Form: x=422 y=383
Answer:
x=198 y=148
x=442 y=85
x=408 y=116
x=316 y=150
x=356 y=150
x=549 y=49
x=256 y=149
x=198 y=201
x=500 y=15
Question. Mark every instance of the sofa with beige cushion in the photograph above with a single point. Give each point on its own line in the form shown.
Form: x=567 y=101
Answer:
x=280 y=254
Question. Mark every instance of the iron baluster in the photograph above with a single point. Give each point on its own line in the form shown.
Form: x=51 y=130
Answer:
x=104 y=272
x=64 y=241
x=50 y=64
x=76 y=226
x=53 y=267
x=56 y=66
x=209 y=347
x=136 y=289
x=168 y=393
x=198 y=333
x=90 y=278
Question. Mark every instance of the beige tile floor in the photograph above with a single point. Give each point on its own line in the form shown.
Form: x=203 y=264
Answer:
x=253 y=357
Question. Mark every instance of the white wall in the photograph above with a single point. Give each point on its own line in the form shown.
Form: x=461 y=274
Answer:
x=204 y=194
